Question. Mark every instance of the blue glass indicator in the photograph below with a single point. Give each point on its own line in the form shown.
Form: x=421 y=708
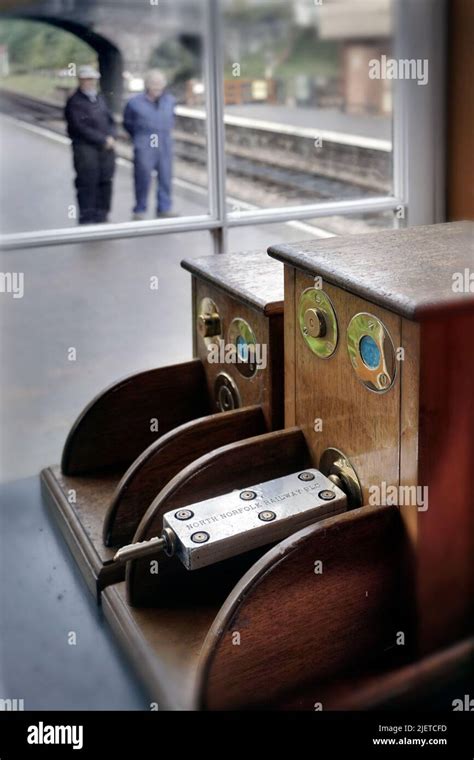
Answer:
x=370 y=352
x=242 y=349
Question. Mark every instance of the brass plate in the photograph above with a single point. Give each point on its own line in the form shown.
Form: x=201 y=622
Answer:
x=243 y=338
x=371 y=352
x=318 y=322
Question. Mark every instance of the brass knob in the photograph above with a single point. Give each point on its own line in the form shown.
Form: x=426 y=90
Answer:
x=314 y=323
x=208 y=325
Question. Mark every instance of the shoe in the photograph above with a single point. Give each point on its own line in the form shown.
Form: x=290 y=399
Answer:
x=166 y=215
x=139 y=216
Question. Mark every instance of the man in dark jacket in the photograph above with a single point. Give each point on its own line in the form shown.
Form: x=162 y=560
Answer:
x=149 y=119
x=92 y=130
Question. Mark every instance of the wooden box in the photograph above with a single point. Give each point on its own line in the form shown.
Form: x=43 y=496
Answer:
x=394 y=390
x=370 y=608
x=365 y=609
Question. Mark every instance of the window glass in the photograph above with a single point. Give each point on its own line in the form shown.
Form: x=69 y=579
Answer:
x=263 y=235
x=132 y=143
x=308 y=117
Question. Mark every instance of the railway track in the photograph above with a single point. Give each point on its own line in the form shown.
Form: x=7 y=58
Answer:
x=265 y=174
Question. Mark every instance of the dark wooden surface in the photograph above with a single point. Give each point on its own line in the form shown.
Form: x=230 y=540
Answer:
x=236 y=465
x=305 y=638
x=297 y=626
x=115 y=427
x=247 y=276
x=460 y=110
x=407 y=271
x=431 y=683
x=161 y=461
x=445 y=532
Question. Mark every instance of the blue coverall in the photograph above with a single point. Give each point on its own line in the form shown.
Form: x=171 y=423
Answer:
x=149 y=123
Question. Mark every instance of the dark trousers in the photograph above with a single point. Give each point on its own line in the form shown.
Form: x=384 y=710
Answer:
x=94 y=172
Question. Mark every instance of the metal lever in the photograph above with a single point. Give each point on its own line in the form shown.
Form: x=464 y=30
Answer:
x=142 y=548
x=215 y=529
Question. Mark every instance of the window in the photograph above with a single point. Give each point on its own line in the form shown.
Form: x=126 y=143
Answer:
x=303 y=120
x=284 y=111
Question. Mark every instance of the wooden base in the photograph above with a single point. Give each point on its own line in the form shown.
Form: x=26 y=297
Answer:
x=81 y=522
x=285 y=639
x=281 y=626
x=162 y=644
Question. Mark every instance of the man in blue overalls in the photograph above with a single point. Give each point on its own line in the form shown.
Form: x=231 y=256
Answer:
x=149 y=119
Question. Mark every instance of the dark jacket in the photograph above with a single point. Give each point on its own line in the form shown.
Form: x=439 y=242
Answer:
x=88 y=122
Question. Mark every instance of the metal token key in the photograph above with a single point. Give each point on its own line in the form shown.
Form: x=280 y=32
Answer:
x=222 y=527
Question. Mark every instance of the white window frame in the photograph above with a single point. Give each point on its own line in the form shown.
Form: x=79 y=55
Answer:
x=418 y=146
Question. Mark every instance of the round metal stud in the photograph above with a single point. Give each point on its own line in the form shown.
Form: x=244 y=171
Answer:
x=371 y=352
x=266 y=515
x=318 y=322
x=200 y=537
x=184 y=514
x=306 y=476
x=248 y=495
x=326 y=495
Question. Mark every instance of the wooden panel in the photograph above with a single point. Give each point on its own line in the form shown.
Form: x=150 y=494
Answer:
x=410 y=412
x=234 y=466
x=430 y=683
x=460 y=110
x=409 y=442
x=266 y=387
x=364 y=425
x=248 y=276
x=176 y=648
x=161 y=461
x=296 y=625
x=115 y=427
x=290 y=348
x=407 y=271
x=445 y=532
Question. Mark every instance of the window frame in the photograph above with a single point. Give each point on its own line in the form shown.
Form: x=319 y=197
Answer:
x=417 y=146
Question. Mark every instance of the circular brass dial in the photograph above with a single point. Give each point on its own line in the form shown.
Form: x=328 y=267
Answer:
x=318 y=322
x=371 y=352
